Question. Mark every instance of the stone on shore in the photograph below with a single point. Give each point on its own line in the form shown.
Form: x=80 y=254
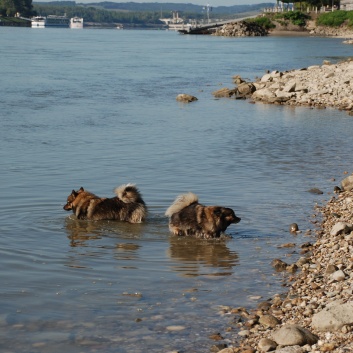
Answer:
x=269 y=321
x=294 y=335
x=333 y=317
x=347 y=183
x=279 y=265
x=341 y=228
x=225 y=93
x=266 y=345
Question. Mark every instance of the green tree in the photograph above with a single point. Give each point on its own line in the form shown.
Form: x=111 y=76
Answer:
x=12 y=7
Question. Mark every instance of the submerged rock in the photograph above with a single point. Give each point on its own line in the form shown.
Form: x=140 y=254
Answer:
x=185 y=98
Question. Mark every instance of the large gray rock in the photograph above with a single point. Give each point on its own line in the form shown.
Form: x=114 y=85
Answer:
x=341 y=227
x=263 y=93
x=347 y=183
x=246 y=88
x=333 y=317
x=225 y=92
x=294 y=335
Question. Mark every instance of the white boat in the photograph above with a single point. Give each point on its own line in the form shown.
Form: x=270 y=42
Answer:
x=38 y=21
x=76 y=22
x=57 y=21
x=50 y=21
x=176 y=23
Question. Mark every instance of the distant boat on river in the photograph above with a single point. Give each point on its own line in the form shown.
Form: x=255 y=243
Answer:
x=56 y=21
x=176 y=23
x=76 y=22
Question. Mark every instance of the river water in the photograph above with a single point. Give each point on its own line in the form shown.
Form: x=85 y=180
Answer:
x=97 y=108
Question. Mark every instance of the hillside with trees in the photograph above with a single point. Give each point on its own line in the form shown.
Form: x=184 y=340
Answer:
x=138 y=14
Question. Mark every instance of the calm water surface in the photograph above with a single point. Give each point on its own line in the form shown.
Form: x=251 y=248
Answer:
x=96 y=108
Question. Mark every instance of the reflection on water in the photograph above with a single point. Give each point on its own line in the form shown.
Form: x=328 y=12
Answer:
x=190 y=257
x=199 y=257
x=81 y=231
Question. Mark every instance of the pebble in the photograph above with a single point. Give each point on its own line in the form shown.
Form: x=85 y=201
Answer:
x=269 y=321
x=265 y=345
x=293 y=228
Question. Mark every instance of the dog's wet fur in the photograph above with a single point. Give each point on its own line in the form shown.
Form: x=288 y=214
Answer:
x=127 y=205
x=187 y=217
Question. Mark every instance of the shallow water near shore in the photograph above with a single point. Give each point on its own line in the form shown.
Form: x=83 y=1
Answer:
x=96 y=108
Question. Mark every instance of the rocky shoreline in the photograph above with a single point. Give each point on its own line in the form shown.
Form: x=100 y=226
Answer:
x=316 y=314
x=320 y=86
x=240 y=29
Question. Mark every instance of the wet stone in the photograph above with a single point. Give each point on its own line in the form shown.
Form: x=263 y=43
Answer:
x=293 y=228
x=218 y=347
x=175 y=328
x=269 y=321
x=279 y=265
x=266 y=345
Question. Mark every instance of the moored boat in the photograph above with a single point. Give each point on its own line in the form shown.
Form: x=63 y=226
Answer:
x=57 y=21
x=38 y=22
x=76 y=22
x=50 y=21
x=176 y=23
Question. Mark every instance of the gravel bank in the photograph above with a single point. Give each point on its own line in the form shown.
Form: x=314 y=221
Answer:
x=316 y=314
x=319 y=86
x=328 y=85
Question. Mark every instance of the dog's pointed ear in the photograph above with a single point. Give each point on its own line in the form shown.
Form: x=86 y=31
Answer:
x=81 y=189
x=73 y=192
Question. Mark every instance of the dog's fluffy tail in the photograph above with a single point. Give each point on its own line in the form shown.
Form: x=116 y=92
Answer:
x=181 y=202
x=128 y=193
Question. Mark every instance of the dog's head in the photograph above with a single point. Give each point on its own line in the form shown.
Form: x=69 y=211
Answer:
x=71 y=199
x=223 y=217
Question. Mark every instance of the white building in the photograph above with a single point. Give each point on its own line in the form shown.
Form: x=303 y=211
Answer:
x=346 y=5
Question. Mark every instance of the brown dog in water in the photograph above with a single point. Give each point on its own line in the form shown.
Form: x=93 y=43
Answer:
x=128 y=205
x=188 y=217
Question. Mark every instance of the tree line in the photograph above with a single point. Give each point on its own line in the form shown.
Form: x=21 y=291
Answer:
x=12 y=7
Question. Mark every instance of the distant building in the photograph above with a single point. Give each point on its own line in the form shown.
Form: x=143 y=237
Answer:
x=346 y=5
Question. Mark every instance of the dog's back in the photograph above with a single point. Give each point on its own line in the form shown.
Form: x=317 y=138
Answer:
x=181 y=202
x=128 y=205
x=116 y=209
